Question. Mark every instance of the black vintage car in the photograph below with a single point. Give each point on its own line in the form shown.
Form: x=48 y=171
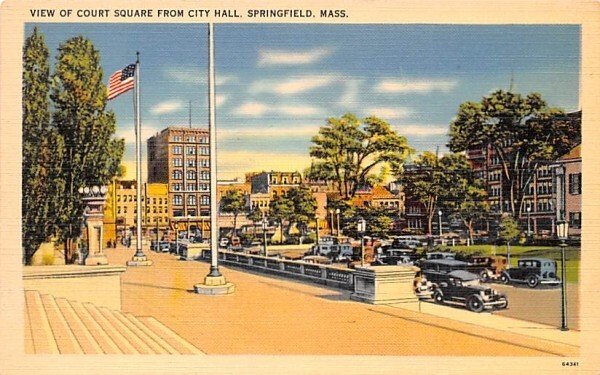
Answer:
x=435 y=270
x=533 y=272
x=463 y=288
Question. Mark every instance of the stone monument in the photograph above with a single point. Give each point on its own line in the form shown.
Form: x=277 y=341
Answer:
x=94 y=198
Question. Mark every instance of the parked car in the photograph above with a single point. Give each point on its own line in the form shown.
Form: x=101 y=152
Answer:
x=224 y=242
x=397 y=256
x=463 y=288
x=488 y=267
x=164 y=247
x=317 y=259
x=440 y=255
x=533 y=272
x=436 y=270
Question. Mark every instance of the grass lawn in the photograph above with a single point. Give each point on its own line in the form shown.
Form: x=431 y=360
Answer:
x=572 y=255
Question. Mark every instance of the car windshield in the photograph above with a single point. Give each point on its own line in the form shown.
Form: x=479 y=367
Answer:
x=470 y=282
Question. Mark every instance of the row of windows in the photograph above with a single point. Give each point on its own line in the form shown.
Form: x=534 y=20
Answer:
x=190 y=150
x=131 y=198
x=191 y=199
x=189 y=138
x=285 y=180
x=157 y=220
x=190 y=175
x=155 y=210
x=177 y=186
x=178 y=162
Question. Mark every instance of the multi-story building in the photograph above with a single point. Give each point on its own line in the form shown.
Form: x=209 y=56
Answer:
x=267 y=185
x=538 y=212
x=180 y=157
x=567 y=175
x=120 y=211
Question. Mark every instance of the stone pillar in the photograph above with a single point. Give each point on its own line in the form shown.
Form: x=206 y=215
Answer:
x=384 y=284
x=93 y=213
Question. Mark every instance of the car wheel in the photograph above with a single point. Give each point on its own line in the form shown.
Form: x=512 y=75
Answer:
x=475 y=304
x=483 y=276
x=504 y=305
x=504 y=278
x=438 y=297
x=532 y=281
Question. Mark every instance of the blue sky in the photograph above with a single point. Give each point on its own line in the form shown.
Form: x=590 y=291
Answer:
x=277 y=83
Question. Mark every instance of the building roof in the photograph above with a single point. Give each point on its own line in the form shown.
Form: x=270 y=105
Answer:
x=575 y=153
x=381 y=192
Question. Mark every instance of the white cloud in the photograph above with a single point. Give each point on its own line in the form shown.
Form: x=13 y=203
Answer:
x=168 y=106
x=252 y=109
x=349 y=98
x=278 y=131
x=281 y=57
x=418 y=130
x=193 y=75
x=291 y=86
x=127 y=132
x=419 y=86
x=257 y=109
x=388 y=113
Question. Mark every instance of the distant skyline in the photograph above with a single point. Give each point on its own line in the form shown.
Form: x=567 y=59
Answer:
x=278 y=83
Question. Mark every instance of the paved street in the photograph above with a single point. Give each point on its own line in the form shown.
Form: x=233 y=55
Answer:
x=541 y=305
x=272 y=315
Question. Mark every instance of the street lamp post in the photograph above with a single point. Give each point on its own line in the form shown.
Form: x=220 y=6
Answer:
x=362 y=226
x=317 y=229
x=331 y=216
x=337 y=211
x=264 y=228
x=440 y=223
x=528 y=221
x=562 y=230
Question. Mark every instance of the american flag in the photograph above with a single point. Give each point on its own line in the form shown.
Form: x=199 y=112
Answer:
x=121 y=81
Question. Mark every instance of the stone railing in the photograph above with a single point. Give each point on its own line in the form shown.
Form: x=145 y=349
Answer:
x=317 y=273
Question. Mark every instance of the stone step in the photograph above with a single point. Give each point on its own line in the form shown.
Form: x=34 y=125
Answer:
x=135 y=341
x=65 y=339
x=105 y=342
x=158 y=339
x=140 y=333
x=179 y=343
x=124 y=345
x=41 y=332
x=86 y=340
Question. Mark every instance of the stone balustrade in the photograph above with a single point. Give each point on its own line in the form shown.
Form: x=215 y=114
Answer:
x=318 y=273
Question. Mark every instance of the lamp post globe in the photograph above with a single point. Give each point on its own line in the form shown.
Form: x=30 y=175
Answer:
x=562 y=231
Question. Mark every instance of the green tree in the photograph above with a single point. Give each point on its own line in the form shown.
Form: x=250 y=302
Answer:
x=233 y=202
x=280 y=209
x=347 y=149
x=379 y=221
x=42 y=150
x=522 y=132
x=435 y=182
x=509 y=231
x=256 y=216
x=92 y=156
x=304 y=206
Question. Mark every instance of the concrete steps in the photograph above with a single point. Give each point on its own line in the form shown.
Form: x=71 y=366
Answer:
x=59 y=326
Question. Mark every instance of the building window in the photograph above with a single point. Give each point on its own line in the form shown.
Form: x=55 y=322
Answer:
x=118 y=209
x=125 y=209
x=176 y=138
x=177 y=150
x=177 y=186
x=191 y=162
x=190 y=150
x=191 y=175
x=575 y=183
x=177 y=175
x=205 y=163
x=203 y=187
x=177 y=200
x=177 y=162
x=204 y=175
x=205 y=200
x=118 y=198
x=575 y=220
x=204 y=151
x=191 y=199
x=190 y=187
x=191 y=138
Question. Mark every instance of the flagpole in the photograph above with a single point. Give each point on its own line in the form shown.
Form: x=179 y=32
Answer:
x=139 y=259
x=214 y=282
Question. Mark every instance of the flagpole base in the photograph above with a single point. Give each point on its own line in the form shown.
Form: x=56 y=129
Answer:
x=214 y=285
x=139 y=261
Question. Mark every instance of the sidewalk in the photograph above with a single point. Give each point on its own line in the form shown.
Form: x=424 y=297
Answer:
x=270 y=315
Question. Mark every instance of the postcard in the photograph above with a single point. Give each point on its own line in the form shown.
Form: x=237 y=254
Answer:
x=372 y=187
